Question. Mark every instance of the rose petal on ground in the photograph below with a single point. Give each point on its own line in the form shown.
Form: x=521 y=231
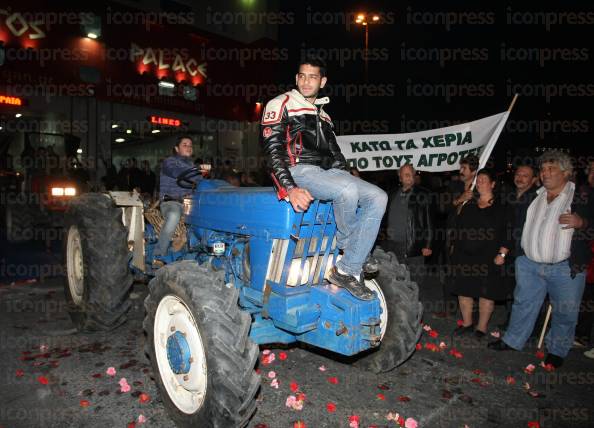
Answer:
x=19 y=373
x=144 y=398
x=322 y=368
x=299 y=424
x=548 y=367
x=418 y=346
x=331 y=407
x=442 y=345
x=540 y=355
x=282 y=356
x=268 y=358
x=266 y=352
x=459 y=323
x=401 y=421
x=333 y=380
x=294 y=386
x=298 y=405
x=132 y=424
x=383 y=387
x=301 y=396
x=84 y=403
x=42 y=380
x=392 y=417
x=290 y=400
x=141 y=419
x=477 y=371
x=380 y=396
x=354 y=421
x=274 y=383
x=529 y=368
x=533 y=424
x=403 y=398
x=410 y=423
x=433 y=333
x=427 y=327
x=510 y=380
x=124 y=387
x=271 y=374
x=111 y=371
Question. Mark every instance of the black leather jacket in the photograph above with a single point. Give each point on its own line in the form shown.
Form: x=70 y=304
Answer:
x=295 y=131
x=419 y=228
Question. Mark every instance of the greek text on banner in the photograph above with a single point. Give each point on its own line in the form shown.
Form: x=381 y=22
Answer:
x=433 y=150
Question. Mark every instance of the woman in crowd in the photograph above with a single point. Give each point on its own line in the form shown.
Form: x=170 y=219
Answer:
x=478 y=255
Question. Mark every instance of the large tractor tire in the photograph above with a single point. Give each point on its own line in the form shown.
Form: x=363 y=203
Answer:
x=20 y=221
x=198 y=345
x=98 y=279
x=401 y=316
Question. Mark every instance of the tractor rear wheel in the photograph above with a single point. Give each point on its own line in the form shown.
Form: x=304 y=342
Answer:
x=98 y=279
x=400 y=321
x=199 y=348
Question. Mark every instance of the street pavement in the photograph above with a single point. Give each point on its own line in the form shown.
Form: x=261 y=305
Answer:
x=52 y=376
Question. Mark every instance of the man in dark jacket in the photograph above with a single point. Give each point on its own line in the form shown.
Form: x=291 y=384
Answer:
x=307 y=163
x=170 y=193
x=410 y=226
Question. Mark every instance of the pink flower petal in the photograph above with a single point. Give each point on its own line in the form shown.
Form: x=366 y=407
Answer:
x=111 y=371
x=274 y=383
x=141 y=419
x=271 y=374
x=322 y=368
x=410 y=423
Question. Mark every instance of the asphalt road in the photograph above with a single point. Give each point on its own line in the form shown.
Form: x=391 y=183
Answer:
x=52 y=376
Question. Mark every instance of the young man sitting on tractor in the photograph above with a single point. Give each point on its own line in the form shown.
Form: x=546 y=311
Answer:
x=307 y=163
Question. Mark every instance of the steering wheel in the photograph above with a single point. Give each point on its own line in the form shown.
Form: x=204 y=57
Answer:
x=184 y=179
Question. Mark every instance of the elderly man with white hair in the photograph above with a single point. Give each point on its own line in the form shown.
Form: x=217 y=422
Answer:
x=555 y=244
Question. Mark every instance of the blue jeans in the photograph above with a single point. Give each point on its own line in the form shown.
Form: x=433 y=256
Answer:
x=533 y=282
x=357 y=229
x=172 y=212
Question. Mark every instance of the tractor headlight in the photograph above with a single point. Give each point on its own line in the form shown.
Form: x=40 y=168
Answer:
x=57 y=191
x=295 y=271
x=69 y=191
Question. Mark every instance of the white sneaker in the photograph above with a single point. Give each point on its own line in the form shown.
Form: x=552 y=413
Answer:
x=590 y=353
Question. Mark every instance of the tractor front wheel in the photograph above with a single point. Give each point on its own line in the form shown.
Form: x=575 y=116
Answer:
x=400 y=320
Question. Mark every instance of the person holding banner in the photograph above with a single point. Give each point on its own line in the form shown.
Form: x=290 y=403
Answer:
x=307 y=163
x=555 y=240
x=479 y=251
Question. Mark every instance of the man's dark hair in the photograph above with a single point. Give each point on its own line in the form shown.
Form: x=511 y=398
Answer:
x=314 y=61
x=527 y=165
x=472 y=161
x=183 y=137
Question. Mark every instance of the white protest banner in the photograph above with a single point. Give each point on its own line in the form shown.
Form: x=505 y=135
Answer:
x=434 y=150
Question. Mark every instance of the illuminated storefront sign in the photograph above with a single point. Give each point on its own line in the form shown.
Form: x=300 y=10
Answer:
x=158 y=120
x=13 y=101
x=167 y=62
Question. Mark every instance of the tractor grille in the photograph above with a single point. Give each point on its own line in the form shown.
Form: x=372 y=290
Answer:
x=304 y=259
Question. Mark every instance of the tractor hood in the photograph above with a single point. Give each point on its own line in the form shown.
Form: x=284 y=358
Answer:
x=254 y=211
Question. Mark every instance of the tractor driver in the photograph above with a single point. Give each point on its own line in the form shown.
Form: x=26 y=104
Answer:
x=307 y=163
x=171 y=194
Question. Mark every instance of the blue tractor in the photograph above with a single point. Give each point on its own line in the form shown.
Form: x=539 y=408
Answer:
x=249 y=271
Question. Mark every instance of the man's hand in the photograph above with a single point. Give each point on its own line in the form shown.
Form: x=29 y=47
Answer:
x=571 y=221
x=466 y=196
x=426 y=252
x=300 y=199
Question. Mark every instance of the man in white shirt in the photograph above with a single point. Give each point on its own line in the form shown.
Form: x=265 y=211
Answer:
x=556 y=252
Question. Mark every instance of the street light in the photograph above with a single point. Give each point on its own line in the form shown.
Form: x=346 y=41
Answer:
x=362 y=19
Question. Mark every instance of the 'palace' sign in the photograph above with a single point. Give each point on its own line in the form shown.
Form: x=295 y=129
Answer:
x=164 y=61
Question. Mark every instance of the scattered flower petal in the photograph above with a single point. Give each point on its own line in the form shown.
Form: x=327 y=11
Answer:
x=433 y=333
x=141 y=419
x=380 y=396
x=111 y=371
x=266 y=352
x=322 y=368
x=331 y=407
x=455 y=353
x=268 y=358
x=477 y=371
x=442 y=345
x=548 y=367
x=294 y=386
x=426 y=327
x=42 y=380
x=404 y=398
x=301 y=396
x=282 y=356
x=540 y=355
x=274 y=383
x=410 y=423
x=354 y=421
x=20 y=373
x=84 y=403
x=383 y=387
x=510 y=380
x=460 y=323
x=533 y=424
x=529 y=368
x=392 y=417
x=124 y=387
x=333 y=380
x=271 y=374
x=526 y=386
x=299 y=424
x=132 y=424
x=144 y=398
x=432 y=347
x=418 y=346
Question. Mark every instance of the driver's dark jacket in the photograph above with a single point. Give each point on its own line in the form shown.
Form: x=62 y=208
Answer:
x=295 y=131
x=171 y=167
x=419 y=228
